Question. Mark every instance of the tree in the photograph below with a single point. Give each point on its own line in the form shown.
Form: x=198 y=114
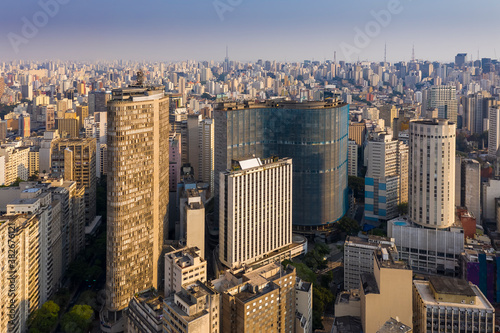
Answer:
x=349 y=225
x=403 y=208
x=78 y=319
x=322 y=297
x=45 y=318
x=357 y=184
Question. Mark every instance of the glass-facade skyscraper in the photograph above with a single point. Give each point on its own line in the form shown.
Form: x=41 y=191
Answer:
x=313 y=134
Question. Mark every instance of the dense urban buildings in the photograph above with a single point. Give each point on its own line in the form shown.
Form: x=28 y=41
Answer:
x=167 y=140
x=137 y=180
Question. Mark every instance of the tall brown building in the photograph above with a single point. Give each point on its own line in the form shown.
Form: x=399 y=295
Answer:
x=75 y=160
x=82 y=112
x=138 y=192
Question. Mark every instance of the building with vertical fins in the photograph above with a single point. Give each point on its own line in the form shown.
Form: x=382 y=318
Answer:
x=138 y=193
x=255 y=215
x=313 y=134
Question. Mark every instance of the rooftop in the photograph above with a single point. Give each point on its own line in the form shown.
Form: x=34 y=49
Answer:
x=392 y=325
x=369 y=284
x=424 y=290
x=451 y=286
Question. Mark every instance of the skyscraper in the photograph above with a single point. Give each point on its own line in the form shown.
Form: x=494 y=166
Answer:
x=315 y=134
x=386 y=181
x=460 y=60
x=445 y=99
x=432 y=173
x=494 y=131
x=255 y=215
x=137 y=179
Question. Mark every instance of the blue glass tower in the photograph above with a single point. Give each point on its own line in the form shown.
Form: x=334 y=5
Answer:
x=313 y=134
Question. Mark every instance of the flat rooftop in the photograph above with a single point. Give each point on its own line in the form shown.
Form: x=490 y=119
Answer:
x=425 y=292
x=392 y=325
x=451 y=286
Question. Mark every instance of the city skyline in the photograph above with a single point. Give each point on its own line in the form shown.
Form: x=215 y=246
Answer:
x=94 y=30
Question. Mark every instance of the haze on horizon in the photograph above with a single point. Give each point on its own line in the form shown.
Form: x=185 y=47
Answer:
x=284 y=30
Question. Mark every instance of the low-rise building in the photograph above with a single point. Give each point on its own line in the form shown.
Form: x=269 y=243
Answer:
x=183 y=266
x=386 y=292
x=144 y=313
x=194 y=309
x=445 y=304
x=358 y=257
x=433 y=251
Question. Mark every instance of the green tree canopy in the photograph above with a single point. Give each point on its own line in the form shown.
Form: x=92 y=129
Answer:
x=78 y=319
x=44 y=319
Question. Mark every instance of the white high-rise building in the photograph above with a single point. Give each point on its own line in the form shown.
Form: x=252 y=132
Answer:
x=255 y=210
x=494 y=131
x=432 y=173
x=386 y=181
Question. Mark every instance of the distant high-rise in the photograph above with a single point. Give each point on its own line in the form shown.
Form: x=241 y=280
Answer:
x=313 y=133
x=137 y=179
x=98 y=101
x=494 y=131
x=460 y=60
x=255 y=211
x=432 y=173
x=445 y=99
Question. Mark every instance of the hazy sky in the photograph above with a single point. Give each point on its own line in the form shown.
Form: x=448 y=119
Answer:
x=291 y=30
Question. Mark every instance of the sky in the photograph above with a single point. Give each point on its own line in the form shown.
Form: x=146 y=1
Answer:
x=282 y=30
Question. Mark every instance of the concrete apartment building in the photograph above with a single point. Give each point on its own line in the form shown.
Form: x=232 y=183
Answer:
x=445 y=304
x=138 y=196
x=386 y=293
x=468 y=186
x=16 y=163
x=358 y=257
x=261 y=300
x=255 y=216
x=494 y=131
x=144 y=313
x=432 y=173
x=192 y=226
x=386 y=181
x=183 y=266
x=444 y=98
x=303 y=306
x=20 y=255
x=196 y=308
x=352 y=158
x=75 y=160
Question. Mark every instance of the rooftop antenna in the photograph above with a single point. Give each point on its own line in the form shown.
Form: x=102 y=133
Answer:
x=385 y=52
x=334 y=57
x=413 y=53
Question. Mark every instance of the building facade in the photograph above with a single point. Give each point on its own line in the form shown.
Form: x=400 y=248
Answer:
x=255 y=216
x=432 y=173
x=138 y=197
x=358 y=257
x=386 y=181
